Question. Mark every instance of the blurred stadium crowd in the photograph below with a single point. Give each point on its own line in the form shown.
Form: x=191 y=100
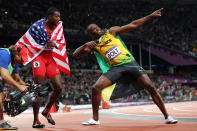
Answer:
x=175 y=30
x=77 y=88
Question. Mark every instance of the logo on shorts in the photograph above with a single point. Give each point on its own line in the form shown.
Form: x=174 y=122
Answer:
x=141 y=69
x=36 y=64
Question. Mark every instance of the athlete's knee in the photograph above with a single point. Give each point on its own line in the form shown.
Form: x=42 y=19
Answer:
x=96 y=87
x=146 y=83
x=151 y=89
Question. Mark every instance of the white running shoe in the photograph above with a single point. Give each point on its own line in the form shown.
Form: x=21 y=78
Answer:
x=91 y=122
x=171 y=120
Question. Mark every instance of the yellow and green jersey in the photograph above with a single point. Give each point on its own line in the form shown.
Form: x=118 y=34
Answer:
x=113 y=50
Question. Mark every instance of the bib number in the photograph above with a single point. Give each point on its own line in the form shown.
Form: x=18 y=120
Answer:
x=113 y=53
x=36 y=64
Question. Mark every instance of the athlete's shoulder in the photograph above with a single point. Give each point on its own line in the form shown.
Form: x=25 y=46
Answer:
x=41 y=21
x=38 y=23
x=4 y=52
x=105 y=32
x=113 y=30
x=5 y=58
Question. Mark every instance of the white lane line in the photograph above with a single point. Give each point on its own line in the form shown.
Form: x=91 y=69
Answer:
x=113 y=111
x=147 y=110
x=178 y=109
x=152 y=111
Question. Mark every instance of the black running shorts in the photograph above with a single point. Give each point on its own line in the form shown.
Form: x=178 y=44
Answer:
x=130 y=70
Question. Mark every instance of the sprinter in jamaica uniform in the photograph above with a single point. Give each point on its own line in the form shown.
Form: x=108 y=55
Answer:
x=117 y=62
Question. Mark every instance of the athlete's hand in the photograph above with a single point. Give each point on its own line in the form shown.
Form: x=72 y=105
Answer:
x=27 y=84
x=156 y=13
x=23 y=88
x=51 y=44
x=91 y=45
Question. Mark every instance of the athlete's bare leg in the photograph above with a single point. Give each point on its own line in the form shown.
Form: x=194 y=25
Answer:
x=56 y=81
x=145 y=82
x=101 y=83
x=36 y=106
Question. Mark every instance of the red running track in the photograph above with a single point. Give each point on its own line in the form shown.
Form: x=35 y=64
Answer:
x=71 y=121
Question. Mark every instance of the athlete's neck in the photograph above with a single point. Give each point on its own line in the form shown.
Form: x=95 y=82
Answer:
x=97 y=37
x=49 y=24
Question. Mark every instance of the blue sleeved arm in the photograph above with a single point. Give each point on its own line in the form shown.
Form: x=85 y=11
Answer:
x=5 y=59
x=15 y=70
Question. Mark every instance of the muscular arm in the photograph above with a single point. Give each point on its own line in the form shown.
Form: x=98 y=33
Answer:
x=134 y=24
x=8 y=78
x=18 y=79
x=85 y=49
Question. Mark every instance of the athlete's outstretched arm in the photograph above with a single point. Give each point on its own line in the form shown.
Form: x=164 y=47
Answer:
x=85 y=49
x=134 y=24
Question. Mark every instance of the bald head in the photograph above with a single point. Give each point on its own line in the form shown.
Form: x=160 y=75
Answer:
x=94 y=30
x=90 y=26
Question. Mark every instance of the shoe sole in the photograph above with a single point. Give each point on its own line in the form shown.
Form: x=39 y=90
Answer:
x=172 y=122
x=89 y=124
x=38 y=126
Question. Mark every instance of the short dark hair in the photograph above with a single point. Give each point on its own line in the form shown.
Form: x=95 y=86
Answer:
x=51 y=10
x=13 y=52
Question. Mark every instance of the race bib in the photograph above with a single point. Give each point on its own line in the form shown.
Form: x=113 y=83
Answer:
x=113 y=53
x=36 y=64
